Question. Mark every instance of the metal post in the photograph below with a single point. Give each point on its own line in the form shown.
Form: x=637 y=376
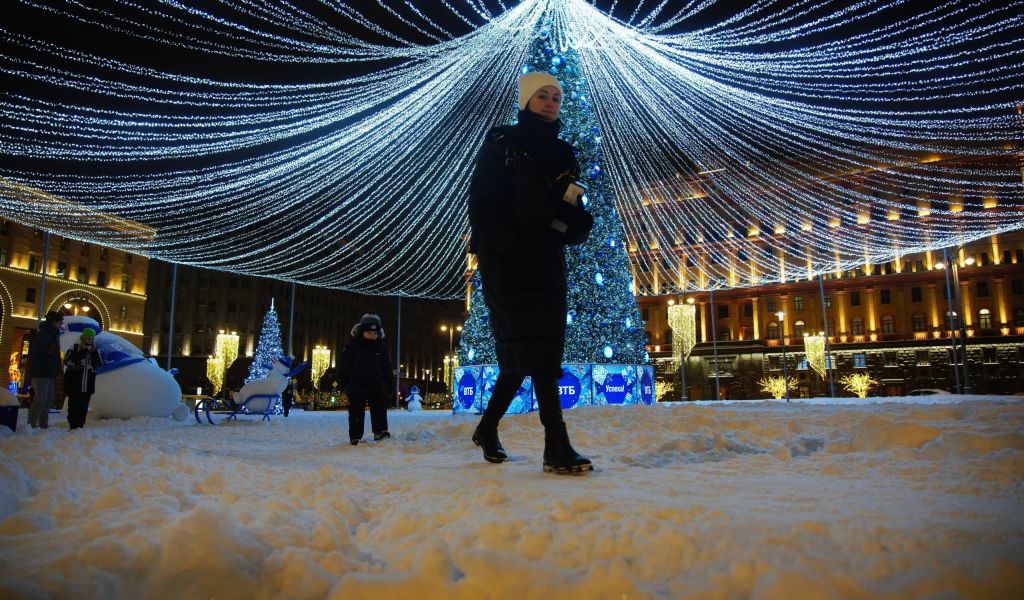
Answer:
x=682 y=376
x=952 y=328
x=398 y=352
x=714 y=345
x=42 y=284
x=291 y=321
x=963 y=326
x=170 y=326
x=785 y=367
x=828 y=347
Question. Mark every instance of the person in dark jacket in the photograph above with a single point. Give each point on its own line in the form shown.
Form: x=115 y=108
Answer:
x=525 y=206
x=288 y=396
x=365 y=374
x=80 y=364
x=44 y=366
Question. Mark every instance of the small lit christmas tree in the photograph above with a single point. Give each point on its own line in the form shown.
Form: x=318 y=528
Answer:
x=603 y=323
x=268 y=348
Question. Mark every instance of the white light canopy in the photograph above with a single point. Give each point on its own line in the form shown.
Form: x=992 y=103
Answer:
x=797 y=136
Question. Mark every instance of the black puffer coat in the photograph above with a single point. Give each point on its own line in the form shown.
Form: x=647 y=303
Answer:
x=520 y=227
x=44 y=352
x=365 y=366
x=80 y=364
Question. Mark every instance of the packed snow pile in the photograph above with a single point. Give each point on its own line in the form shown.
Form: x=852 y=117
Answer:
x=695 y=500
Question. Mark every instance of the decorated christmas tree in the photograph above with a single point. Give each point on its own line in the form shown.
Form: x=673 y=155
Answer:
x=603 y=322
x=267 y=348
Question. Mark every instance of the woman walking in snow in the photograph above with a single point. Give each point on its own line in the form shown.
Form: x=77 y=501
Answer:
x=364 y=372
x=524 y=208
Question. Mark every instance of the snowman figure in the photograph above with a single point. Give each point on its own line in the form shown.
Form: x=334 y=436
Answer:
x=128 y=384
x=414 y=401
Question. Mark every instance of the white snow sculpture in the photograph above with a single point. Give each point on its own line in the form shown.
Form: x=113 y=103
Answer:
x=128 y=384
x=415 y=400
x=275 y=382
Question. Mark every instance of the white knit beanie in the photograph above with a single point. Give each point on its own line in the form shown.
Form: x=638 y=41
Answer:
x=531 y=82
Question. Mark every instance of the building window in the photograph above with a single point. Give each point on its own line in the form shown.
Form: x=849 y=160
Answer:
x=918 y=322
x=771 y=305
x=103 y=254
x=123 y=312
x=34 y=261
x=888 y=324
x=211 y=307
x=3 y=257
x=62 y=269
x=801 y=365
x=955 y=317
x=1017 y=286
x=985 y=318
x=85 y=249
x=1018 y=317
x=37 y=234
x=989 y=356
x=798 y=329
x=828 y=301
x=892 y=358
x=985 y=260
x=81 y=275
x=127 y=258
x=126 y=283
x=101 y=278
x=983 y=289
x=30 y=294
x=748 y=309
x=65 y=243
x=232 y=307
x=646 y=314
x=798 y=302
x=1020 y=255
x=668 y=336
x=915 y=294
x=774 y=364
x=723 y=311
x=5 y=228
x=860 y=360
x=854 y=298
x=923 y=358
x=886 y=296
x=857 y=326
x=773 y=331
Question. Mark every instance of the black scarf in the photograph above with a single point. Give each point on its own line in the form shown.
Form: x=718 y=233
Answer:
x=540 y=140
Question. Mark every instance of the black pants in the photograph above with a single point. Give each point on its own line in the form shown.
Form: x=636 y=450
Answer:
x=358 y=398
x=505 y=390
x=286 y=403
x=78 y=407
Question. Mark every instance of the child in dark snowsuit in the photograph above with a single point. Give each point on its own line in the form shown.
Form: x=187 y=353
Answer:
x=80 y=364
x=365 y=374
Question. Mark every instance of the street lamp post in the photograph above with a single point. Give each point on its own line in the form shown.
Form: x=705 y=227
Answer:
x=964 y=379
x=952 y=327
x=785 y=369
x=451 y=329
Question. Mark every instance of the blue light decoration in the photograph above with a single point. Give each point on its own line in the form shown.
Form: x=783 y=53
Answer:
x=608 y=352
x=580 y=385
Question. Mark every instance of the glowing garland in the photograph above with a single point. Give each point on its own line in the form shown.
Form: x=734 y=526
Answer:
x=682 y=319
x=772 y=145
x=814 y=350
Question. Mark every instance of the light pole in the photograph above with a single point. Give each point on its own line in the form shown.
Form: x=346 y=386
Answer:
x=785 y=369
x=952 y=327
x=451 y=329
x=965 y=379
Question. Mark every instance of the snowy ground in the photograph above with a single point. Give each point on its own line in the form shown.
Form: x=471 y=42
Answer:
x=723 y=500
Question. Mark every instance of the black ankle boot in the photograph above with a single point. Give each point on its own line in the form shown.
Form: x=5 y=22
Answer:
x=559 y=455
x=487 y=439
